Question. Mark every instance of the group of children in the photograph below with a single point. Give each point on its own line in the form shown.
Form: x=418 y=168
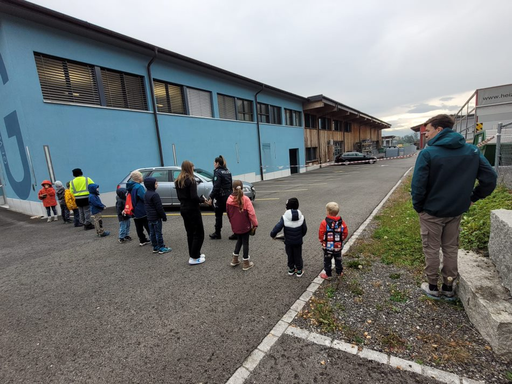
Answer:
x=240 y=211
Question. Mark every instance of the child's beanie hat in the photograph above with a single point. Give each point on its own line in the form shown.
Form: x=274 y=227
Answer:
x=292 y=203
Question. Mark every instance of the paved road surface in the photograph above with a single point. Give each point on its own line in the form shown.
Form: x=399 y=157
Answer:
x=82 y=309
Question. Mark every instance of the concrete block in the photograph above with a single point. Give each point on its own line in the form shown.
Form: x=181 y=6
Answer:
x=442 y=376
x=346 y=347
x=374 y=355
x=319 y=339
x=297 y=332
x=487 y=303
x=465 y=380
x=253 y=359
x=239 y=377
x=405 y=365
x=289 y=316
x=500 y=245
x=306 y=296
x=279 y=328
x=267 y=342
x=298 y=305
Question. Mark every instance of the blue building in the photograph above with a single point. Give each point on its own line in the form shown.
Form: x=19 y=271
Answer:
x=74 y=95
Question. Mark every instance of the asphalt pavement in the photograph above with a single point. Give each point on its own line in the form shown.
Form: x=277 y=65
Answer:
x=82 y=309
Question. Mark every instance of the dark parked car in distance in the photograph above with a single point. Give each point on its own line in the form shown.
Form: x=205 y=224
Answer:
x=348 y=157
x=167 y=191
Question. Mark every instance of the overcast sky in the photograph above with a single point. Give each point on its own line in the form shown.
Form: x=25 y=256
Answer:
x=401 y=60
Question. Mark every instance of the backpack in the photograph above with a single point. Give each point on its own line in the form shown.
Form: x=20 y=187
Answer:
x=128 y=206
x=333 y=237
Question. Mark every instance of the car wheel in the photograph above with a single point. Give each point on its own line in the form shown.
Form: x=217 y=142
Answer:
x=373 y=161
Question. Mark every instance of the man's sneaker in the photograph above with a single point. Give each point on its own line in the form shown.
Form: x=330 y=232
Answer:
x=128 y=238
x=448 y=291
x=324 y=276
x=88 y=227
x=121 y=241
x=434 y=293
x=105 y=234
x=155 y=249
x=234 y=236
x=200 y=260
x=163 y=250
x=291 y=271
x=144 y=243
x=299 y=273
x=215 y=236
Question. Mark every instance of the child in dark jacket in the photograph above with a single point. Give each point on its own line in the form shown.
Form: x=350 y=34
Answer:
x=156 y=214
x=47 y=196
x=243 y=221
x=124 y=220
x=333 y=231
x=61 y=192
x=96 y=208
x=295 y=229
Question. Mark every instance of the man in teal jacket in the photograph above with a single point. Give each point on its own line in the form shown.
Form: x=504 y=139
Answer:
x=443 y=188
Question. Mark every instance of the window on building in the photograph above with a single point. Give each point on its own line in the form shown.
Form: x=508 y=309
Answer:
x=310 y=120
x=263 y=113
x=199 y=102
x=67 y=81
x=269 y=114
x=244 y=109
x=233 y=108
x=227 y=107
x=348 y=126
x=74 y=82
x=311 y=154
x=169 y=98
x=275 y=115
x=292 y=117
x=324 y=123
x=123 y=90
x=338 y=125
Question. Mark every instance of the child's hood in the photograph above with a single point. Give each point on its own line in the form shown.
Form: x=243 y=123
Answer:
x=58 y=184
x=93 y=189
x=293 y=218
x=121 y=193
x=149 y=183
x=46 y=182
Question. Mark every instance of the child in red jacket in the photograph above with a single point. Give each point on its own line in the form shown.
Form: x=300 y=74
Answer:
x=243 y=223
x=333 y=231
x=47 y=195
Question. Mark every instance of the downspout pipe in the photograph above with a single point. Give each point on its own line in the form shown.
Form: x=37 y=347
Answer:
x=258 y=130
x=155 y=111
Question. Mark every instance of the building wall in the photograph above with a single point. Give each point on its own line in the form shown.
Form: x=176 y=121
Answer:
x=350 y=140
x=107 y=143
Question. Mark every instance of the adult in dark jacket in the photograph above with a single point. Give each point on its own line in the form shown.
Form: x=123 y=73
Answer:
x=443 y=188
x=186 y=189
x=295 y=229
x=140 y=219
x=156 y=214
x=222 y=184
x=124 y=220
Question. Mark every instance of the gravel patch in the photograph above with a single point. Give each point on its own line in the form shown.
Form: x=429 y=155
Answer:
x=381 y=307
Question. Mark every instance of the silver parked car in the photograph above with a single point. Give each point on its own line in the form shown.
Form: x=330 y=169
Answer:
x=166 y=176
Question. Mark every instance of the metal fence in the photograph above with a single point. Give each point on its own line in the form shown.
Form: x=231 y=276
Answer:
x=503 y=155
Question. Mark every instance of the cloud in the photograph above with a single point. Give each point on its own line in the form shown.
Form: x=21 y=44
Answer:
x=422 y=108
x=447 y=98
